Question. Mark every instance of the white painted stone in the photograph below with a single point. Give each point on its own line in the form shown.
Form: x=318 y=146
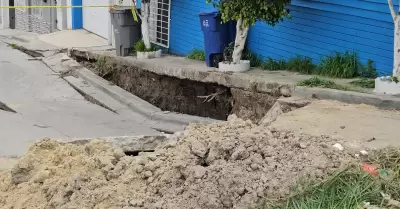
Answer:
x=338 y=146
x=145 y=55
x=158 y=53
x=242 y=66
x=385 y=85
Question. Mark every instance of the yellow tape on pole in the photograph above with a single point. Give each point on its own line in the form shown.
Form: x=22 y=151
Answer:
x=134 y=14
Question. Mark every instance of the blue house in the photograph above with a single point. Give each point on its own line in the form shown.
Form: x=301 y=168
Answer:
x=317 y=28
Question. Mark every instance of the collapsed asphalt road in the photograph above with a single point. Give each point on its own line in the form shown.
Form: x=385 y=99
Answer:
x=46 y=106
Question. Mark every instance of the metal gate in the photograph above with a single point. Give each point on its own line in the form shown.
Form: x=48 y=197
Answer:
x=38 y=20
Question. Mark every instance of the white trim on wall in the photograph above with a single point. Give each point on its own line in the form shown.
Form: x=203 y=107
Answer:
x=5 y=15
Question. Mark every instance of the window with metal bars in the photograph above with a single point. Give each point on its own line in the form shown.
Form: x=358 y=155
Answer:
x=159 y=22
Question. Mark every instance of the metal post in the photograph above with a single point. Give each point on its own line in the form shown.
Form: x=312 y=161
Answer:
x=29 y=11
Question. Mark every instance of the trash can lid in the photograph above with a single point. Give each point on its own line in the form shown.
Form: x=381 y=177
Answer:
x=212 y=11
x=120 y=9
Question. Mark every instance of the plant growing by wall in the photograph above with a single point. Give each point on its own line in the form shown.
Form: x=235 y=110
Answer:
x=339 y=65
x=396 y=56
x=196 y=54
x=255 y=60
x=247 y=13
x=300 y=64
x=272 y=64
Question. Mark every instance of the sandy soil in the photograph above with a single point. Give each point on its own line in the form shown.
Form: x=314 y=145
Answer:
x=7 y=163
x=373 y=127
x=232 y=164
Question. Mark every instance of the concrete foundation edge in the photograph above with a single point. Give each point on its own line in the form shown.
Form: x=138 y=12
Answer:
x=224 y=79
x=136 y=104
x=235 y=81
x=382 y=102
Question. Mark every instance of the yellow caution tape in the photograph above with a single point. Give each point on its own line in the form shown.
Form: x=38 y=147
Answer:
x=134 y=15
x=37 y=7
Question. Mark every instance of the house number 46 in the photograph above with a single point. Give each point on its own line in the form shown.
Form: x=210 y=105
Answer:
x=205 y=23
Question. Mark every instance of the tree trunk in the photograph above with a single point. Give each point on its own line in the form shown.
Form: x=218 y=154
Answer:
x=396 y=44
x=240 y=40
x=145 y=24
x=396 y=56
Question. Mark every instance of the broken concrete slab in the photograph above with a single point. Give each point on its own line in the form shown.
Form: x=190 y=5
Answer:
x=380 y=101
x=183 y=69
x=119 y=108
x=126 y=143
x=283 y=105
x=196 y=71
x=294 y=101
x=272 y=114
x=136 y=104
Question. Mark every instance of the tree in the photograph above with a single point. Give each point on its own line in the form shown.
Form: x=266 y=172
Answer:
x=247 y=13
x=144 y=17
x=396 y=54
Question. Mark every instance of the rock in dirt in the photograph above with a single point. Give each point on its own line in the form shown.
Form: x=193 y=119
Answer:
x=283 y=105
x=232 y=164
x=272 y=114
x=338 y=146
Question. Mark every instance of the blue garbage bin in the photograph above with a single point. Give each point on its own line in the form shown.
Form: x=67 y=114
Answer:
x=216 y=36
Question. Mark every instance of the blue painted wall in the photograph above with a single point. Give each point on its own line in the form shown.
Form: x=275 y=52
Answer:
x=317 y=28
x=77 y=21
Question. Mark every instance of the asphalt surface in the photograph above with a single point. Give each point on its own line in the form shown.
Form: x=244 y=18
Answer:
x=47 y=106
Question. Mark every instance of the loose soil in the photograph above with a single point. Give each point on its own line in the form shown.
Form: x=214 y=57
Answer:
x=232 y=164
x=373 y=127
x=183 y=95
x=6 y=163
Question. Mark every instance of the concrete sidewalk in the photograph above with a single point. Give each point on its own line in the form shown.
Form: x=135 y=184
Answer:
x=73 y=39
x=47 y=106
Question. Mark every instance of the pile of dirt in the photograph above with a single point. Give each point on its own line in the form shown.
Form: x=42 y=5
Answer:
x=231 y=164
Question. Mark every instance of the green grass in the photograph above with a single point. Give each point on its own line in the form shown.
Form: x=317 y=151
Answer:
x=301 y=64
x=141 y=47
x=364 y=83
x=395 y=79
x=339 y=65
x=367 y=71
x=196 y=54
x=255 y=60
x=323 y=83
x=271 y=64
x=347 y=189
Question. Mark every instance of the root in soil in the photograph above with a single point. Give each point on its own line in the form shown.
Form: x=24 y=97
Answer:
x=233 y=164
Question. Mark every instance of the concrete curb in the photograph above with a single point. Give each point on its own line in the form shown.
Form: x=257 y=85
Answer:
x=237 y=80
x=135 y=103
x=241 y=82
x=380 y=101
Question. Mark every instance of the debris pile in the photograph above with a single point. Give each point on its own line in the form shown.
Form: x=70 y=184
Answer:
x=232 y=164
